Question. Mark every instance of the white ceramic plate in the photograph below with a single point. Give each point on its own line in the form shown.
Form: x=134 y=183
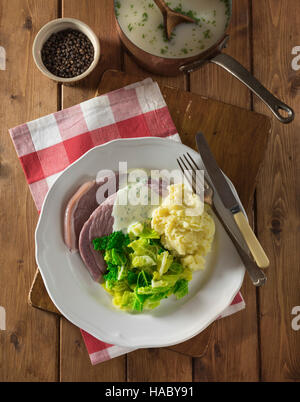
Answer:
x=86 y=304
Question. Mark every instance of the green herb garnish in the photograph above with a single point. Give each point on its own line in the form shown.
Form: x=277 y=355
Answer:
x=207 y=34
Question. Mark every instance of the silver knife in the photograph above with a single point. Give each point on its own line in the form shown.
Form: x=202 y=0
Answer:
x=229 y=201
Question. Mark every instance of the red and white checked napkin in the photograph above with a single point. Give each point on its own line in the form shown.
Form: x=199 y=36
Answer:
x=48 y=145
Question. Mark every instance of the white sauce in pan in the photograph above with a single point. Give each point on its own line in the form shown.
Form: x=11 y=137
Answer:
x=142 y=23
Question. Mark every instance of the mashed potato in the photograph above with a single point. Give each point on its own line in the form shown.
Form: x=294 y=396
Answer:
x=185 y=226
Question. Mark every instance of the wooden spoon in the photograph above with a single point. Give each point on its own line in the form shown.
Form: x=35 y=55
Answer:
x=171 y=18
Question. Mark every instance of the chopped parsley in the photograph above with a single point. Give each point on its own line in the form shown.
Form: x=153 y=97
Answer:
x=207 y=34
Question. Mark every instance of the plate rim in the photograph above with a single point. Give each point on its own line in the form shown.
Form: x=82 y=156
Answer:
x=71 y=316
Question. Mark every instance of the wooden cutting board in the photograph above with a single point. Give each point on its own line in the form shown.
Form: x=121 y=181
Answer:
x=238 y=139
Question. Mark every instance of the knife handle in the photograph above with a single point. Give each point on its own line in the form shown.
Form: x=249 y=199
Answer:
x=254 y=246
x=257 y=276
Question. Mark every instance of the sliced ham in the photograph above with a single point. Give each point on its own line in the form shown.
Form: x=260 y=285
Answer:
x=99 y=224
x=79 y=209
x=86 y=220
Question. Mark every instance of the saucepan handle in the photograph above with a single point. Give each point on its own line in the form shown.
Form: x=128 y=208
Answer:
x=236 y=69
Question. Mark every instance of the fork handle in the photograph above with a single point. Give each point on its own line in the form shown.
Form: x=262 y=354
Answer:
x=254 y=246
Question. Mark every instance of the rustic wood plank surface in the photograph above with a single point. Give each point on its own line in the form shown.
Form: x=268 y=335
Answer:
x=29 y=345
x=276 y=31
x=100 y=19
x=238 y=130
x=228 y=357
x=38 y=346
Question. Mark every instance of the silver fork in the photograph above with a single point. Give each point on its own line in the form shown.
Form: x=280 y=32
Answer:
x=187 y=165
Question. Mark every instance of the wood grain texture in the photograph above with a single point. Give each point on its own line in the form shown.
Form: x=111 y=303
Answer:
x=38 y=295
x=235 y=136
x=147 y=364
x=101 y=20
x=216 y=83
x=29 y=345
x=74 y=361
x=75 y=364
x=38 y=346
x=276 y=30
x=233 y=352
x=130 y=67
x=198 y=110
x=199 y=114
x=158 y=365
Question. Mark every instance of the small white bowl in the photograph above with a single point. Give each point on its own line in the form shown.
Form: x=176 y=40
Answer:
x=57 y=25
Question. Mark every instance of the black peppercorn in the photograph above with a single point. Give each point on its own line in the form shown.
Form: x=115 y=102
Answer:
x=67 y=53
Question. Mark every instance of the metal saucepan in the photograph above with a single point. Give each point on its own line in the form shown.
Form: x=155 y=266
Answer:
x=171 y=66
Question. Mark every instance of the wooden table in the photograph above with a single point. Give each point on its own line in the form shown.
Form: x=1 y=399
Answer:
x=258 y=344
